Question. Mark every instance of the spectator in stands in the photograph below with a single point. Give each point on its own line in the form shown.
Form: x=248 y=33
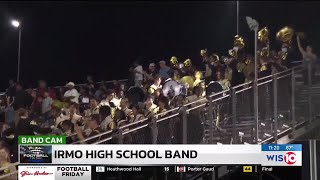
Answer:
x=42 y=88
x=10 y=92
x=58 y=116
x=124 y=104
x=93 y=124
x=8 y=104
x=5 y=163
x=100 y=91
x=84 y=99
x=93 y=108
x=136 y=113
x=74 y=113
x=68 y=129
x=151 y=108
x=24 y=125
x=71 y=94
x=309 y=58
x=164 y=70
x=109 y=98
x=21 y=99
x=163 y=104
x=90 y=80
x=107 y=121
x=120 y=118
x=36 y=106
x=46 y=103
x=138 y=78
x=150 y=74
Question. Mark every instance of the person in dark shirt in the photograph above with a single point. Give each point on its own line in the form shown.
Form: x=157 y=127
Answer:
x=9 y=111
x=24 y=125
x=10 y=93
x=21 y=98
x=94 y=125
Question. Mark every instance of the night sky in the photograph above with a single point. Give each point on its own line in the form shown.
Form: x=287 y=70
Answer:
x=64 y=41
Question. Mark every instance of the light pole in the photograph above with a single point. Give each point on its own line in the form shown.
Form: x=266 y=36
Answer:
x=16 y=24
x=237 y=17
x=254 y=26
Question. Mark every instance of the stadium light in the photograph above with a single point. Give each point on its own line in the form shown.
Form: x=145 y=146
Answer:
x=16 y=24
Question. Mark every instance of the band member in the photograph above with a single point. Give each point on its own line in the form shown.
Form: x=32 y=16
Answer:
x=265 y=67
x=155 y=86
x=224 y=82
x=276 y=63
x=247 y=68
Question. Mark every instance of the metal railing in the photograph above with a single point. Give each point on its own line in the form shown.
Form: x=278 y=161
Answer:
x=226 y=117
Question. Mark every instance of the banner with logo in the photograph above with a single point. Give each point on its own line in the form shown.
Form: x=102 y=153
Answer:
x=265 y=155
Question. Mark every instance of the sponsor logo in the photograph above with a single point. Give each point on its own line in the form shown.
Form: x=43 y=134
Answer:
x=289 y=158
x=36 y=172
x=35 y=154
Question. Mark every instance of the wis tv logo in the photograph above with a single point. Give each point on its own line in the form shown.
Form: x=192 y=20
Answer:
x=289 y=158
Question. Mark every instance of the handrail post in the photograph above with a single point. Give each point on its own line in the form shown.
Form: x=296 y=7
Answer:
x=234 y=114
x=275 y=108
x=184 y=125
x=309 y=91
x=256 y=111
x=293 y=98
x=154 y=130
x=210 y=120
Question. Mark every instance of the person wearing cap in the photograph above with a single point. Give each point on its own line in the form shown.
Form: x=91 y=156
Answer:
x=72 y=94
x=164 y=70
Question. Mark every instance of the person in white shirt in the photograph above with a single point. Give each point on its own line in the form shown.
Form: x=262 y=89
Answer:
x=138 y=77
x=58 y=117
x=110 y=97
x=72 y=94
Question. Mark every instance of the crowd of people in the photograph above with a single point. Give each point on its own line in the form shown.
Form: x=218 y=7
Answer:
x=85 y=111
